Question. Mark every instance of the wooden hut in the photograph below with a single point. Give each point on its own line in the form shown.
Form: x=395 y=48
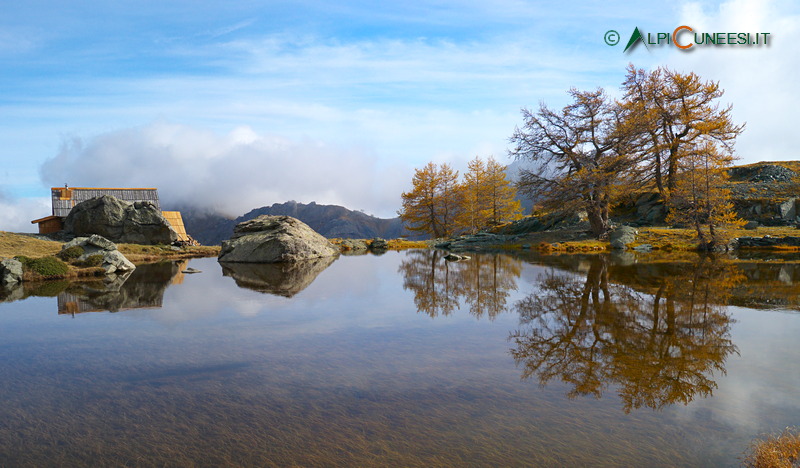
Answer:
x=65 y=198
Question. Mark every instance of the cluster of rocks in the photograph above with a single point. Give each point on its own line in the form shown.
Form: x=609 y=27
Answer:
x=105 y=252
x=545 y=222
x=112 y=260
x=476 y=242
x=768 y=241
x=120 y=221
x=650 y=209
x=451 y=257
x=763 y=173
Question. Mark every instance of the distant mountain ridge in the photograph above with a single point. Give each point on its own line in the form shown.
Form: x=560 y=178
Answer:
x=328 y=220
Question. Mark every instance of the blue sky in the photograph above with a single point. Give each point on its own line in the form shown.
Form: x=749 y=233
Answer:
x=236 y=105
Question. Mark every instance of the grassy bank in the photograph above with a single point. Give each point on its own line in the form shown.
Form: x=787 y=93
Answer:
x=659 y=238
x=40 y=262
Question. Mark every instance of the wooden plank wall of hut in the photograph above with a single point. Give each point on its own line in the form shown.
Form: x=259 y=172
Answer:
x=62 y=207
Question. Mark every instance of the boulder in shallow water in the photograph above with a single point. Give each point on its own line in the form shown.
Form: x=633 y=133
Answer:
x=274 y=239
x=622 y=236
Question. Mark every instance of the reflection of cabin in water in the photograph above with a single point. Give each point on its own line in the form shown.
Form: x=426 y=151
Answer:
x=65 y=198
x=144 y=289
x=73 y=304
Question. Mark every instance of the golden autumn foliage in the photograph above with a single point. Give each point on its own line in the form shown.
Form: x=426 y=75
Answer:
x=667 y=132
x=441 y=206
x=700 y=199
x=582 y=161
x=432 y=204
x=487 y=197
x=675 y=113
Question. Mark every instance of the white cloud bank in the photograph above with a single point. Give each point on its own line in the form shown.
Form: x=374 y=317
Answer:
x=231 y=173
x=16 y=214
x=759 y=81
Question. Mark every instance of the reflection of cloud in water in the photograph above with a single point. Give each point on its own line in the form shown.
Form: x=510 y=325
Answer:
x=282 y=279
x=761 y=386
x=209 y=294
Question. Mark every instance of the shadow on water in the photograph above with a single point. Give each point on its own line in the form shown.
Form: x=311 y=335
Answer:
x=482 y=283
x=280 y=279
x=658 y=347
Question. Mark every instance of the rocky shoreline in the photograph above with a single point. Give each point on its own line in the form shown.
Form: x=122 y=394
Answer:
x=621 y=238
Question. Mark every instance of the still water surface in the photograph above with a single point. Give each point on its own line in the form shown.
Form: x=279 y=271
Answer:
x=404 y=359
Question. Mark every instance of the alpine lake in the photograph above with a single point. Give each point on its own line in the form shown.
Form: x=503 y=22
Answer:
x=404 y=359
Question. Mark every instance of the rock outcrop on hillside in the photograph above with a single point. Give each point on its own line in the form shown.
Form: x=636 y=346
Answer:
x=120 y=221
x=328 y=220
x=275 y=239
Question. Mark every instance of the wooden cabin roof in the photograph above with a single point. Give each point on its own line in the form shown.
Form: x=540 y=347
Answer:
x=65 y=198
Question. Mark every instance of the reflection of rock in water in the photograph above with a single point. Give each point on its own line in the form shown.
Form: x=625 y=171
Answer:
x=12 y=292
x=282 y=279
x=143 y=288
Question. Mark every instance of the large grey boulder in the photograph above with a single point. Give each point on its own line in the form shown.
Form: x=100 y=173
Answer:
x=120 y=221
x=622 y=236
x=10 y=272
x=113 y=260
x=274 y=239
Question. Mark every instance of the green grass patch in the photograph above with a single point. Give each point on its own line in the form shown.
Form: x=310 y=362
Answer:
x=43 y=268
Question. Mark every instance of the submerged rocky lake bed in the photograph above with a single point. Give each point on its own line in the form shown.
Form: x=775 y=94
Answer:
x=405 y=359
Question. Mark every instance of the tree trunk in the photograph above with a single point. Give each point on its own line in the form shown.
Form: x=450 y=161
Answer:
x=672 y=169
x=659 y=178
x=598 y=219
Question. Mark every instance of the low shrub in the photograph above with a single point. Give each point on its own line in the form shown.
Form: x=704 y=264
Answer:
x=775 y=451
x=44 y=267
x=71 y=253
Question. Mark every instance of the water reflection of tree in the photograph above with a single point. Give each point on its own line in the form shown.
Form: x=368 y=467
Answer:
x=657 y=349
x=484 y=282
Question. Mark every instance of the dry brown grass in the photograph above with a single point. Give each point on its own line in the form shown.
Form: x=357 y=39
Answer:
x=12 y=244
x=139 y=254
x=400 y=244
x=781 y=451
